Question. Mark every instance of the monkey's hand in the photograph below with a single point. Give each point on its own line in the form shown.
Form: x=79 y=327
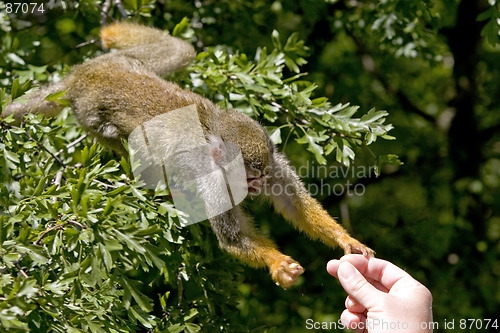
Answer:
x=285 y=271
x=352 y=245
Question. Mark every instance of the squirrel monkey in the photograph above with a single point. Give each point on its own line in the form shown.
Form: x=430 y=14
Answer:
x=114 y=93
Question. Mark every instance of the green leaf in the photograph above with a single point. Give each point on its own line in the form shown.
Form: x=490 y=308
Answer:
x=95 y=328
x=487 y=14
x=55 y=96
x=373 y=116
x=276 y=39
x=143 y=301
x=15 y=91
x=389 y=159
x=41 y=185
x=132 y=243
x=192 y=328
x=106 y=256
x=27 y=288
x=370 y=138
x=35 y=253
x=347 y=155
x=176 y=328
x=11 y=156
x=15 y=58
x=312 y=138
x=345 y=111
x=181 y=27
x=275 y=135
x=145 y=319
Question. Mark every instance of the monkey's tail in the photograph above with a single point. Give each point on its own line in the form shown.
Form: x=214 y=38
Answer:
x=37 y=103
x=158 y=51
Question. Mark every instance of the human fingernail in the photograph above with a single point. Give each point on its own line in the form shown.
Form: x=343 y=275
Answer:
x=350 y=303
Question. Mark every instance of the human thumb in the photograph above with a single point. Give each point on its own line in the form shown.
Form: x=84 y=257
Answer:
x=357 y=287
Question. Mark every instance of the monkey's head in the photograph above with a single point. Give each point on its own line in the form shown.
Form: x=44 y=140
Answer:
x=253 y=142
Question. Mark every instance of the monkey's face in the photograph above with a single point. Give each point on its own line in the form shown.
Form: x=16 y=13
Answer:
x=256 y=181
x=258 y=157
x=258 y=163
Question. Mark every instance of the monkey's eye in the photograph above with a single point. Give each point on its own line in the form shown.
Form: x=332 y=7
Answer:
x=255 y=183
x=260 y=176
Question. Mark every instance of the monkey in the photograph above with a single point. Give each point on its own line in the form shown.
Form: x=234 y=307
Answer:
x=116 y=92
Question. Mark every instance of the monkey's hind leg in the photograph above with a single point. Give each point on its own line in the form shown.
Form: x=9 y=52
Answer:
x=237 y=236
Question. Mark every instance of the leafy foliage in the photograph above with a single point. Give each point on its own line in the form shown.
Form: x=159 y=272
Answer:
x=492 y=26
x=83 y=246
x=259 y=89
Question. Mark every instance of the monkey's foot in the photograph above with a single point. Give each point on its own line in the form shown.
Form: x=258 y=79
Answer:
x=354 y=246
x=286 y=272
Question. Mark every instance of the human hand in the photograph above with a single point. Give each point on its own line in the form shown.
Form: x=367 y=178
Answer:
x=382 y=297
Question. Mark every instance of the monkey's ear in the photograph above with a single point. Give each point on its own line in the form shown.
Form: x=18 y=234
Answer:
x=217 y=147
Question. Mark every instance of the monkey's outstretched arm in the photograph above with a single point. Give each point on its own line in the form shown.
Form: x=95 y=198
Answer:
x=295 y=203
x=157 y=50
x=237 y=235
x=36 y=103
